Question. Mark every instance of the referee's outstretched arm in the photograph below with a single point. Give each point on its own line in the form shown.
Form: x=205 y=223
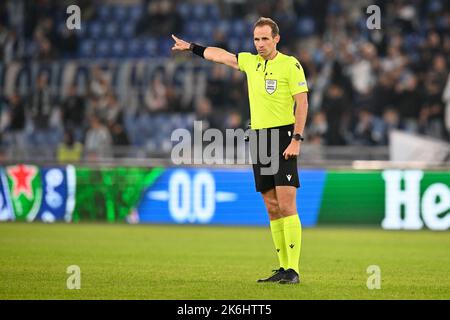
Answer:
x=209 y=53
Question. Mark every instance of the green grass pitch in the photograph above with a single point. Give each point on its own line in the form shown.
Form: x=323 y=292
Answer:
x=211 y=262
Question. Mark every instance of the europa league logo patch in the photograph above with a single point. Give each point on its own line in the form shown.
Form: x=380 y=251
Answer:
x=271 y=86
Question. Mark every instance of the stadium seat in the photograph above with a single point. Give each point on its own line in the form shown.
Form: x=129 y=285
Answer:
x=164 y=47
x=247 y=45
x=111 y=29
x=118 y=48
x=95 y=30
x=234 y=44
x=104 y=12
x=166 y=145
x=87 y=48
x=188 y=120
x=162 y=120
x=175 y=121
x=434 y=6
x=213 y=11
x=199 y=11
x=192 y=29
x=119 y=13
x=184 y=10
x=150 y=48
x=207 y=29
x=224 y=26
x=249 y=26
x=238 y=28
x=305 y=26
x=127 y=29
x=334 y=8
x=151 y=145
x=103 y=49
x=135 y=13
x=411 y=41
x=134 y=48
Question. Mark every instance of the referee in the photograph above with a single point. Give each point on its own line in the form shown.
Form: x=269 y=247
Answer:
x=275 y=82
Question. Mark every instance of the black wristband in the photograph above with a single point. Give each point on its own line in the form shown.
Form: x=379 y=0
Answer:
x=198 y=50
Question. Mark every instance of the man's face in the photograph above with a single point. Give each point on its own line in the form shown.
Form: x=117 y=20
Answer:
x=265 y=43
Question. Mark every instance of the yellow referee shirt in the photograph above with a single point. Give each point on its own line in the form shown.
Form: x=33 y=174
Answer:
x=271 y=85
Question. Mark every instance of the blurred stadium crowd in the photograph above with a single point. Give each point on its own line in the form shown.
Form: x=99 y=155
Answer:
x=115 y=82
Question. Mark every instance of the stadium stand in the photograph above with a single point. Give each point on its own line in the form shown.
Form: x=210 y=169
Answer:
x=118 y=75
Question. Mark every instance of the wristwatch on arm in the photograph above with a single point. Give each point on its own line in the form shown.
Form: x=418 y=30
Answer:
x=298 y=137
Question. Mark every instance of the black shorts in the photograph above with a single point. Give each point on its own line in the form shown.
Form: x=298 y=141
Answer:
x=287 y=173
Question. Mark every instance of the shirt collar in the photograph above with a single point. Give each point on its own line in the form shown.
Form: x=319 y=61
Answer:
x=277 y=57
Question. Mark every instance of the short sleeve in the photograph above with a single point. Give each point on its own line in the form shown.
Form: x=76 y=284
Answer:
x=244 y=59
x=297 y=79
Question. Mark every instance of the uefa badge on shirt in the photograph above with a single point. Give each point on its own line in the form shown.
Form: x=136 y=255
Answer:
x=271 y=86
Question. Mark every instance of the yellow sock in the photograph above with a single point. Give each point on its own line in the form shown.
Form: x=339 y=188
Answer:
x=276 y=226
x=293 y=240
